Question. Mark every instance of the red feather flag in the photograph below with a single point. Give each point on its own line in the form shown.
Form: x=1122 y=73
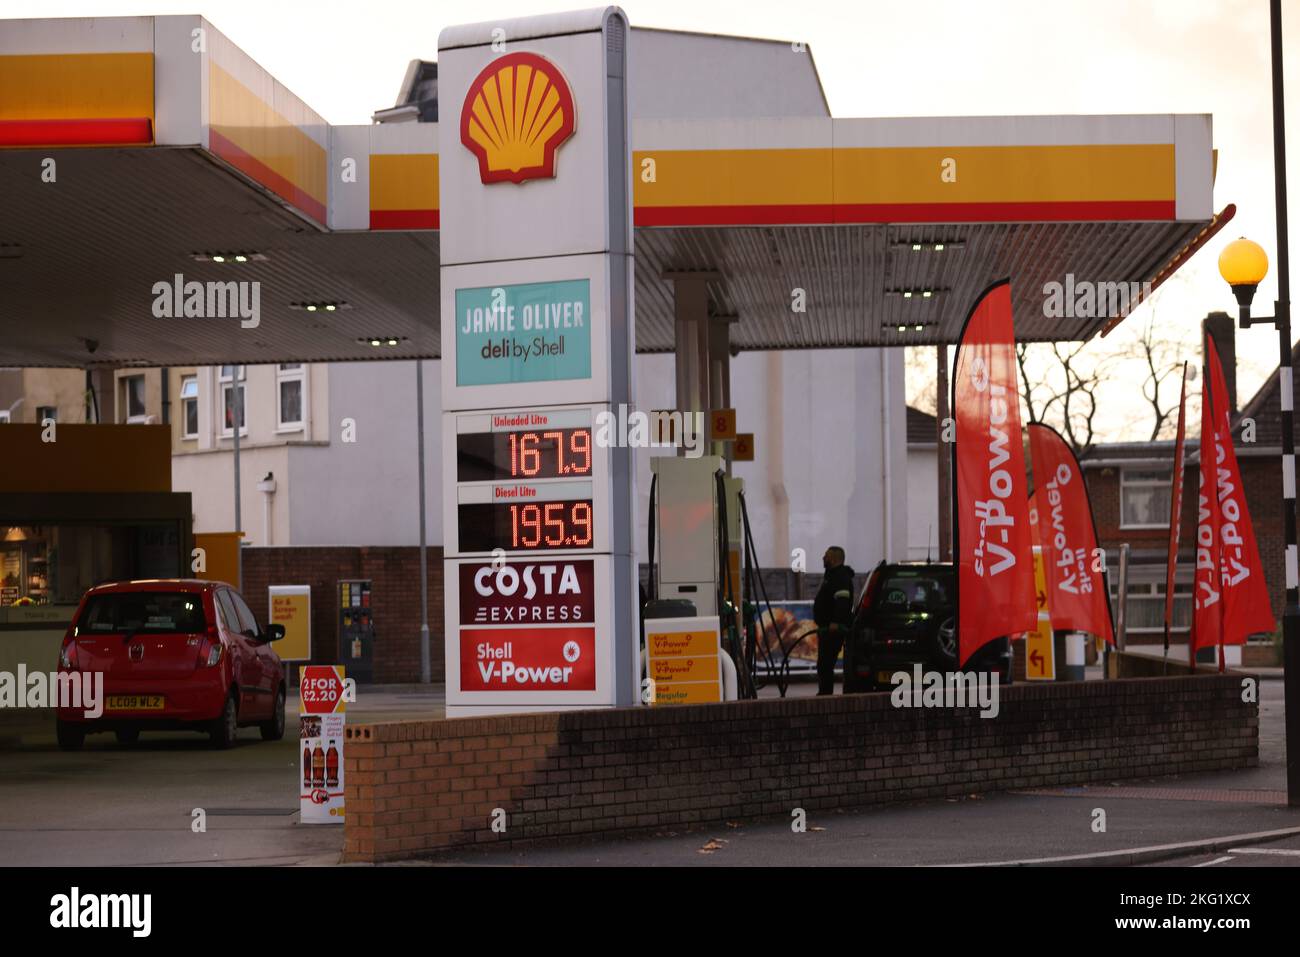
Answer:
x=995 y=574
x=1231 y=596
x=1175 y=507
x=1072 y=562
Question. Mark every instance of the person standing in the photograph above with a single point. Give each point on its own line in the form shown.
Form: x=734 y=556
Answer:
x=833 y=615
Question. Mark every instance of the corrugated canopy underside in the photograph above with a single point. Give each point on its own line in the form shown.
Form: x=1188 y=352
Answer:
x=79 y=259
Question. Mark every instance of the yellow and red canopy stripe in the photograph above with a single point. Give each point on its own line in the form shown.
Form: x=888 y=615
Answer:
x=906 y=184
x=404 y=191
x=76 y=99
x=251 y=136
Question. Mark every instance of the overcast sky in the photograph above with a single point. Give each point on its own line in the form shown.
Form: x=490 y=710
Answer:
x=906 y=58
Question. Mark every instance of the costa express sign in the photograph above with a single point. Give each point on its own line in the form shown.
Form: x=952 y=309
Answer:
x=534 y=593
x=517 y=112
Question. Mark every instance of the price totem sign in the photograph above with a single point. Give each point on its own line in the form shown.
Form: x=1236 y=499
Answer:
x=536 y=330
x=321 y=724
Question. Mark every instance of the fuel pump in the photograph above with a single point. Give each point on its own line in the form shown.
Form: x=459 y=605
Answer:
x=695 y=522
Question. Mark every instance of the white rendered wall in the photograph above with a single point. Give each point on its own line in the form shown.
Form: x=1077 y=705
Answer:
x=831 y=453
x=366 y=492
x=922 y=503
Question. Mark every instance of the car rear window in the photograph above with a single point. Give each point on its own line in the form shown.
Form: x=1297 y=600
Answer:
x=909 y=589
x=144 y=612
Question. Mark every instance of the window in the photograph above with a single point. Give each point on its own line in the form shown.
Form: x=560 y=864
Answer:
x=1146 y=605
x=44 y=412
x=189 y=407
x=1144 y=498
x=247 y=622
x=290 y=381
x=141 y=611
x=226 y=612
x=133 y=398
x=228 y=376
x=4 y=415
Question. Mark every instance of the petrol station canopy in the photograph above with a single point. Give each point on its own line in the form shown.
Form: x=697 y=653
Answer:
x=172 y=147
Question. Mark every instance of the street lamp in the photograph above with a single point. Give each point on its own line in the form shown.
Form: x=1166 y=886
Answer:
x=1243 y=264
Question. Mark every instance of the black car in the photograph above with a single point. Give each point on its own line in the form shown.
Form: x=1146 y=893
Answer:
x=907 y=615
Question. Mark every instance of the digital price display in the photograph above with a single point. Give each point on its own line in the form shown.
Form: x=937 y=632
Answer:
x=524 y=454
x=526 y=526
x=527 y=480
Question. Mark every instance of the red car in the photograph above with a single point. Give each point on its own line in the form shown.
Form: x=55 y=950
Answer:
x=175 y=654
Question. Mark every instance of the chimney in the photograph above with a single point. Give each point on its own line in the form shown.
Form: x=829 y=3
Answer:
x=1220 y=327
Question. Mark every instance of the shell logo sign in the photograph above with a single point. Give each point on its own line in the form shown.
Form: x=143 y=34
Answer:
x=516 y=114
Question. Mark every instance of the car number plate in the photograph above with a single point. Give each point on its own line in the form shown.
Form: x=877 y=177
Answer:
x=134 y=702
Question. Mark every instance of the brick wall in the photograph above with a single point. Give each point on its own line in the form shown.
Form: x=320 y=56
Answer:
x=416 y=788
x=395 y=576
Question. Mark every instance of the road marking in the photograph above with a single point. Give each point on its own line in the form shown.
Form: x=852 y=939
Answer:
x=1217 y=860
x=1281 y=851
x=1142 y=855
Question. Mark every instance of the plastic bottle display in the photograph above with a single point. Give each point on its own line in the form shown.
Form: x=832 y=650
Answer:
x=306 y=766
x=318 y=767
x=332 y=766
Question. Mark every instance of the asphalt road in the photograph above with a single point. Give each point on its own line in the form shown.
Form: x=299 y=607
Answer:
x=1273 y=854
x=110 y=805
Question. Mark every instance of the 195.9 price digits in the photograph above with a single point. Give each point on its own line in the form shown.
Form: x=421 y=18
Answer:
x=551 y=525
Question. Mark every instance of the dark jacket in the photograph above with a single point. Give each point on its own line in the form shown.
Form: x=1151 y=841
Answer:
x=834 y=601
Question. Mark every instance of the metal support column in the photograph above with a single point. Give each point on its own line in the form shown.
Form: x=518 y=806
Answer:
x=691 y=320
x=426 y=667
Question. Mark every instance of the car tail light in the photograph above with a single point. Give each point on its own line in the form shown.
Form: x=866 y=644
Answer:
x=869 y=592
x=211 y=650
x=68 y=654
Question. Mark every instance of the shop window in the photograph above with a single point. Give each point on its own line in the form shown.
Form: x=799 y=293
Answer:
x=55 y=564
x=1144 y=498
x=189 y=407
x=291 y=387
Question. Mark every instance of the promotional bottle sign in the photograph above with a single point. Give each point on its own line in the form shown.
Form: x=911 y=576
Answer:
x=322 y=720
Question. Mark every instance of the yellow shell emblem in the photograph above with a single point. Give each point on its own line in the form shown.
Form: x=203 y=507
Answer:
x=516 y=114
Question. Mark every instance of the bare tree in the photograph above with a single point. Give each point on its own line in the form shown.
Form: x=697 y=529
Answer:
x=1162 y=358
x=919 y=363
x=1063 y=393
x=1027 y=390
x=1078 y=395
